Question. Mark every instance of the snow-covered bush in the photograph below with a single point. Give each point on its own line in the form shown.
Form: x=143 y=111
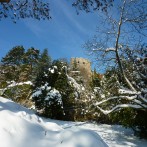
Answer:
x=18 y=92
x=53 y=94
x=48 y=100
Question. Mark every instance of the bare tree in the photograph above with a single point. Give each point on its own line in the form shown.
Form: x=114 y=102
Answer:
x=39 y=9
x=123 y=26
x=17 y=9
x=92 y=5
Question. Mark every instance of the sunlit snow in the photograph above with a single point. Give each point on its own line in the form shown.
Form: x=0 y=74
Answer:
x=20 y=127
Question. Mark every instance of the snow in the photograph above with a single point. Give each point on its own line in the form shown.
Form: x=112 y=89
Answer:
x=13 y=84
x=37 y=93
x=20 y=127
x=52 y=70
x=75 y=71
x=78 y=87
x=126 y=91
x=21 y=83
x=119 y=106
x=52 y=94
x=110 y=49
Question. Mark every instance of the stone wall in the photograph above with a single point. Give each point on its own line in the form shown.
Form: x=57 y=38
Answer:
x=83 y=66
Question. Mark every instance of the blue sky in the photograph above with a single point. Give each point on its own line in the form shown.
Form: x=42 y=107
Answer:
x=63 y=36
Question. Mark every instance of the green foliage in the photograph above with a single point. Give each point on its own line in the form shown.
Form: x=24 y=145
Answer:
x=31 y=58
x=3 y=84
x=53 y=108
x=20 y=66
x=60 y=63
x=11 y=62
x=124 y=117
x=67 y=93
x=14 y=56
x=135 y=119
x=44 y=62
x=39 y=98
x=95 y=79
x=47 y=99
x=140 y=124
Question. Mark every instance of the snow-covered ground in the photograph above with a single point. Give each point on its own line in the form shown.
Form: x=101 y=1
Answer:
x=20 y=127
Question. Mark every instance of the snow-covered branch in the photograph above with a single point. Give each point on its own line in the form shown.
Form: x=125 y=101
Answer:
x=119 y=106
x=132 y=100
x=110 y=49
x=115 y=97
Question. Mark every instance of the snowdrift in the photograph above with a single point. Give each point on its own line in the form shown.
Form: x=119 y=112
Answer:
x=20 y=127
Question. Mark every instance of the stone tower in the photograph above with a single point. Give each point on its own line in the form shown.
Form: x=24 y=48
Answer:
x=83 y=67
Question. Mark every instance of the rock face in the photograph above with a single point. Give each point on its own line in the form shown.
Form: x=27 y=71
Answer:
x=81 y=66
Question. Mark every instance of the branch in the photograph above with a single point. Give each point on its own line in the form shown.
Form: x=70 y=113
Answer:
x=116 y=97
x=130 y=98
x=119 y=106
x=110 y=49
x=143 y=99
x=117 y=47
x=21 y=5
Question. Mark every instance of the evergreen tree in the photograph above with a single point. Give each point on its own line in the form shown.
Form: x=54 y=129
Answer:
x=44 y=61
x=48 y=100
x=11 y=63
x=60 y=63
x=68 y=97
x=14 y=56
x=53 y=94
x=31 y=58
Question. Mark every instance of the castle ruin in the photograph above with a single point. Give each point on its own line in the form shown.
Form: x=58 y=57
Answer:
x=81 y=66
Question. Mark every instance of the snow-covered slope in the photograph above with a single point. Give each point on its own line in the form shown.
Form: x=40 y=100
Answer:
x=20 y=127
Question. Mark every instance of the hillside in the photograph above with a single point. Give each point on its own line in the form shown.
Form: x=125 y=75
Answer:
x=20 y=127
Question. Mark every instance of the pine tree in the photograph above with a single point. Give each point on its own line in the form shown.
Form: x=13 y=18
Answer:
x=44 y=62
x=11 y=63
x=31 y=58
x=48 y=100
x=14 y=56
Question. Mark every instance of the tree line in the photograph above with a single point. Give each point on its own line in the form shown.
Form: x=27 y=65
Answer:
x=32 y=78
